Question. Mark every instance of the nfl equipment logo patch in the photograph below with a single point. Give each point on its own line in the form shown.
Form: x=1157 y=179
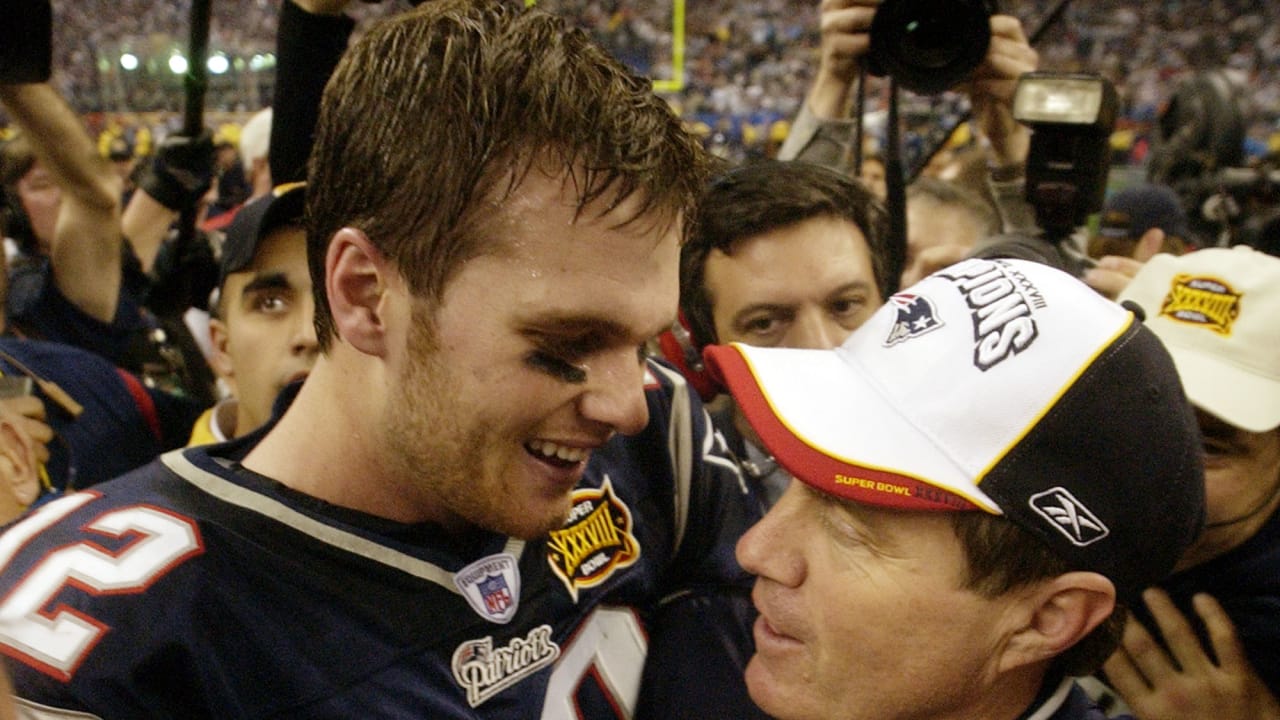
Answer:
x=492 y=586
x=916 y=316
x=496 y=594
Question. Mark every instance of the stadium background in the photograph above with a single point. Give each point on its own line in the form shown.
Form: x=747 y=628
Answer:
x=737 y=72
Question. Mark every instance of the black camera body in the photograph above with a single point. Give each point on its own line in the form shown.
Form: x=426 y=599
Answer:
x=929 y=46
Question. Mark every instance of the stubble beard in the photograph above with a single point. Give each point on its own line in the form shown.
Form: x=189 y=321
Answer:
x=444 y=456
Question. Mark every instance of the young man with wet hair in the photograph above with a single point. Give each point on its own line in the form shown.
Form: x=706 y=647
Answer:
x=484 y=498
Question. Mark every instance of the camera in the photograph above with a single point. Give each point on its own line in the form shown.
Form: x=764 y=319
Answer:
x=929 y=46
x=1071 y=116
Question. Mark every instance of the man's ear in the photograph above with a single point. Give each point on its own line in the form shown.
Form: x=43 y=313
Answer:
x=220 y=358
x=356 y=280
x=1056 y=615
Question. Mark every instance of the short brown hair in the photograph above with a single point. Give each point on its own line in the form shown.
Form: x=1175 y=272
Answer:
x=753 y=199
x=1003 y=557
x=438 y=109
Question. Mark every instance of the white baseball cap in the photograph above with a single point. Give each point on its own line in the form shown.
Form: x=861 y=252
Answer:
x=1217 y=310
x=1003 y=386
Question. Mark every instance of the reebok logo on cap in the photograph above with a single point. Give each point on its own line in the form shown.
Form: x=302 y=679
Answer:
x=1069 y=516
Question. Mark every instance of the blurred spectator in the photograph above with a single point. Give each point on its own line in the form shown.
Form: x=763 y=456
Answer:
x=120 y=153
x=871 y=173
x=255 y=139
x=1215 y=310
x=262 y=332
x=231 y=187
x=944 y=223
x=1140 y=221
x=746 y=62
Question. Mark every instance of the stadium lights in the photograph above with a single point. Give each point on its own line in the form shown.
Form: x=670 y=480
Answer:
x=177 y=64
x=129 y=61
x=262 y=61
x=218 y=64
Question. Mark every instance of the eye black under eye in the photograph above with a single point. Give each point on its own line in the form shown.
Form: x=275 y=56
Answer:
x=556 y=367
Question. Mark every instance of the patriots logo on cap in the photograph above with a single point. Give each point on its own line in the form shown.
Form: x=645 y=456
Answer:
x=1069 y=516
x=916 y=316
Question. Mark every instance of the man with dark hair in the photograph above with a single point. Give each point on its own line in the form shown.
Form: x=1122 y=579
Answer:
x=989 y=469
x=781 y=254
x=483 y=497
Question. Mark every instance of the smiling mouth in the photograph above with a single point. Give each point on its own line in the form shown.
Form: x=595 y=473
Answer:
x=561 y=456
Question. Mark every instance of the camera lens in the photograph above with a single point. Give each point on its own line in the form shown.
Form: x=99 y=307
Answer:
x=929 y=46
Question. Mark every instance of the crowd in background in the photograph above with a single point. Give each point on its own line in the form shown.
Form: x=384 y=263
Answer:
x=746 y=64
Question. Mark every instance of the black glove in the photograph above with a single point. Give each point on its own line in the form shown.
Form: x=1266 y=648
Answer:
x=26 y=46
x=185 y=271
x=181 y=171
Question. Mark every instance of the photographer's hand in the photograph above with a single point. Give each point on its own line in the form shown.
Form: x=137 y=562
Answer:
x=1185 y=683
x=846 y=26
x=992 y=86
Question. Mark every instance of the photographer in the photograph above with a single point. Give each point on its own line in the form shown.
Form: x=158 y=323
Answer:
x=822 y=129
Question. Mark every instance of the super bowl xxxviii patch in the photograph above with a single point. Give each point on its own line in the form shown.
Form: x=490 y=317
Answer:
x=595 y=541
x=483 y=670
x=492 y=586
x=1204 y=301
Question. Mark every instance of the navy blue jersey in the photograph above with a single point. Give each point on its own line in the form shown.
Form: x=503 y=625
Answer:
x=1066 y=700
x=37 y=309
x=124 y=424
x=1246 y=581
x=194 y=588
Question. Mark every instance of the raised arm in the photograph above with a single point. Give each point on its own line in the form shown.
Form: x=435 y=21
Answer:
x=85 y=247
